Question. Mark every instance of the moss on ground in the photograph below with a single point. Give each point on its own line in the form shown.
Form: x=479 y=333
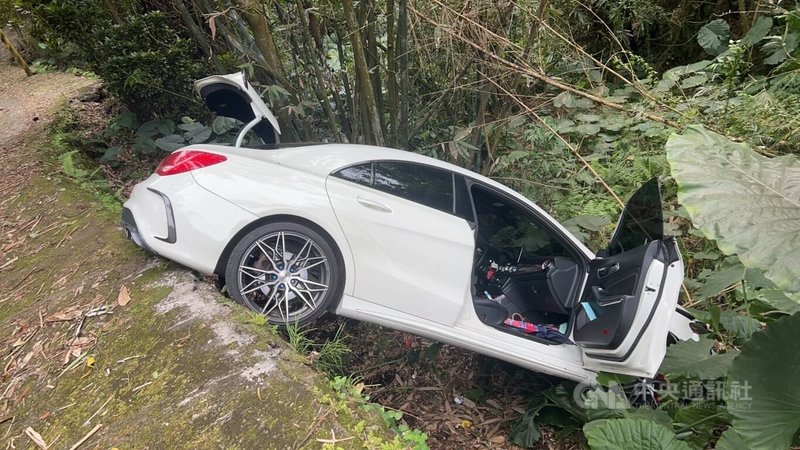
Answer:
x=153 y=376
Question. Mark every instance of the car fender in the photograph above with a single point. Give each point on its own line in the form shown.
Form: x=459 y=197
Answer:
x=268 y=190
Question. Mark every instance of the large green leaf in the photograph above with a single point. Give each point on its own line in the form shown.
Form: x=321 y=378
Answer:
x=689 y=359
x=742 y=326
x=748 y=203
x=730 y=440
x=615 y=434
x=758 y=31
x=526 y=431
x=778 y=48
x=713 y=36
x=765 y=406
x=700 y=418
x=720 y=280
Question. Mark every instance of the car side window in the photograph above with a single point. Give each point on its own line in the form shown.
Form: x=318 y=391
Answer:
x=429 y=186
x=419 y=183
x=359 y=174
x=507 y=227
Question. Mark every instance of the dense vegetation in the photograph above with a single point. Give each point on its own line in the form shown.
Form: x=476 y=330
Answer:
x=572 y=103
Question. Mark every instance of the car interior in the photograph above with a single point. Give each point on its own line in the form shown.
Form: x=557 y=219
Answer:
x=523 y=272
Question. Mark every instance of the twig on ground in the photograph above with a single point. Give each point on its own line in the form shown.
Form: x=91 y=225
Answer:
x=66 y=236
x=88 y=435
x=89 y=420
x=9 y=262
x=334 y=439
x=129 y=358
x=141 y=386
x=36 y=438
x=65 y=407
x=313 y=428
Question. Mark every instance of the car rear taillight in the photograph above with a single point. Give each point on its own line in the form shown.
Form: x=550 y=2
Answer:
x=187 y=160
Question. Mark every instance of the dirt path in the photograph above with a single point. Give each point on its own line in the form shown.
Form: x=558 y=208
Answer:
x=26 y=101
x=98 y=339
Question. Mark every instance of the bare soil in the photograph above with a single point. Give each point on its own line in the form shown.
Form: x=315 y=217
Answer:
x=106 y=346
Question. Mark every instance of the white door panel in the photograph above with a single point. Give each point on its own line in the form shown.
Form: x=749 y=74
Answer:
x=649 y=351
x=408 y=257
x=631 y=292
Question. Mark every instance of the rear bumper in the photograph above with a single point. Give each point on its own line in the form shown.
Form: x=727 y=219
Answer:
x=177 y=219
x=132 y=231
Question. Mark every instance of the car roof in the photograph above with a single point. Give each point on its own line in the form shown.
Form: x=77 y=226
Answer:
x=324 y=159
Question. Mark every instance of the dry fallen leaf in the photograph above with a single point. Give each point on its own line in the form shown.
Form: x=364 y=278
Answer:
x=124 y=296
x=65 y=315
x=498 y=439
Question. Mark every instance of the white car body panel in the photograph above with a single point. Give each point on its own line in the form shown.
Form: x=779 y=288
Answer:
x=296 y=193
x=202 y=233
x=410 y=259
x=470 y=333
x=407 y=266
x=648 y=353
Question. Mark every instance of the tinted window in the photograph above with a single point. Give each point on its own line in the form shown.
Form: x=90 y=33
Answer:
x=641 y=221
x=361 y=174
x=505 y=226
x=416 y=182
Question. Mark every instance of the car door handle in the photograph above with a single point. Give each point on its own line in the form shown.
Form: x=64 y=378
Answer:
x=608 y=270
x=372 y=204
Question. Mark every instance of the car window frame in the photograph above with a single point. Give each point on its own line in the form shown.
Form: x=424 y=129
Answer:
x=453 y=175
x=539 y=219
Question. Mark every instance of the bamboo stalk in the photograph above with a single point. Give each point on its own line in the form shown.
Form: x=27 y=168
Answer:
x=17 y=57
x=402 y=50
x=373 y=133
x=313 y=60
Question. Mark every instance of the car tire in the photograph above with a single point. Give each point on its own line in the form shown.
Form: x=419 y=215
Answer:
x=287 y=271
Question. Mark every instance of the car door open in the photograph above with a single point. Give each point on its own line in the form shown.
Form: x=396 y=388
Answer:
x=631 y=292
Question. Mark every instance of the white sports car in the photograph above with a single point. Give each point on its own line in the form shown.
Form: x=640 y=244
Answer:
x=411 y=243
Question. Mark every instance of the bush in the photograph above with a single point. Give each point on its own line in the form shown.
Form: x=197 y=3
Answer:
x=149 y=66
x=143 y=60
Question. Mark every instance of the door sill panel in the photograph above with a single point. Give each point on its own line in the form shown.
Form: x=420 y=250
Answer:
x=565 y=361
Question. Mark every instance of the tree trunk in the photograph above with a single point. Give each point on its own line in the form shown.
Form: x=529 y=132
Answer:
x=195 y=31
x=373 y=134
x=391 y=73
x=313 y=60
x=476 y=158
x=348 y=91
x=17 y=57
x=314 y=26
x=264 y=41
x=373 y=62
x=402 y=50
